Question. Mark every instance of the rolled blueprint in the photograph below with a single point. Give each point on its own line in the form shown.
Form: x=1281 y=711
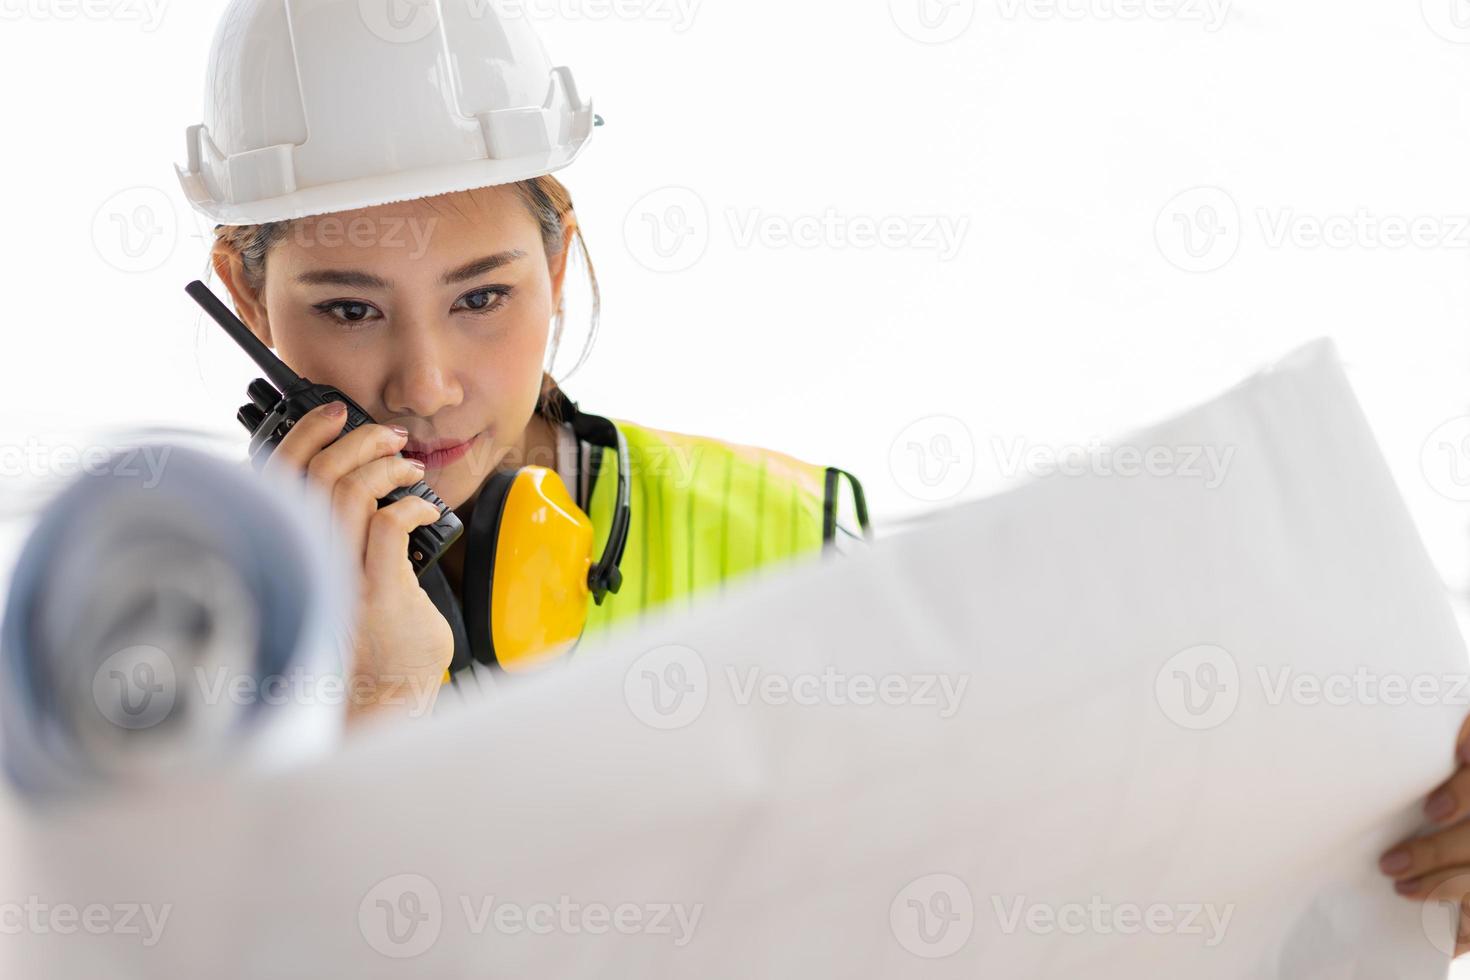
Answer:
x=164 y=620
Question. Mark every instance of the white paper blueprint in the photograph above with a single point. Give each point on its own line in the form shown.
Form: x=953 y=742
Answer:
x=1065 y=732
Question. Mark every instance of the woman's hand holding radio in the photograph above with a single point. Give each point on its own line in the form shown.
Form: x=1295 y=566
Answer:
x=401 y=643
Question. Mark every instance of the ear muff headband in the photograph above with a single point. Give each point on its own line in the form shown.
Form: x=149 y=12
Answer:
x=539 y=604
x=606 y=576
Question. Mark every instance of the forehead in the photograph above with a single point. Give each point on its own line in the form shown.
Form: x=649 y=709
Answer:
x=430 y=231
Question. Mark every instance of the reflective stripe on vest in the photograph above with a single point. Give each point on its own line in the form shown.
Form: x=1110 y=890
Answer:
x=705 y=512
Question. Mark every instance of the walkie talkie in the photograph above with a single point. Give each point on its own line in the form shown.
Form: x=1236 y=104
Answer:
x=279 y=403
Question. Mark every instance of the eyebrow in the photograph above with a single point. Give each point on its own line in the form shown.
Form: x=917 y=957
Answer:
x=481 y=266
x=366 y=280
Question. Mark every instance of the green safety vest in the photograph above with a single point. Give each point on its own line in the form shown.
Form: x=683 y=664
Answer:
x=704 y=513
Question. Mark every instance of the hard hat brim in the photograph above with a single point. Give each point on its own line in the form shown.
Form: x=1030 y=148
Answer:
x=367 y=192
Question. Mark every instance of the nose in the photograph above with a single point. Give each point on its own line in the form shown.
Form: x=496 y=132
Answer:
x=422 y=378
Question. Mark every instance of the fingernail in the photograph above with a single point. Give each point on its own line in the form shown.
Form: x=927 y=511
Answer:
x=1440 y=805
x=1395 y=861
x=402 y=432
x=418 y=464
x=1408 y=887
x=334 y=410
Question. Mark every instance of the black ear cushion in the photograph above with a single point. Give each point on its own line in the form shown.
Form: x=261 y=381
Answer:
x=481 y=539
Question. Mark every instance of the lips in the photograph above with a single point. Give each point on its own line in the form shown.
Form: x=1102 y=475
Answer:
x=437 y=455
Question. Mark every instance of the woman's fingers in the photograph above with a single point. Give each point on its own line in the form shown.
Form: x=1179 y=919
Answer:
x=355 y=497
x=386 y=558
x=353 y=451
x=1422 y=858
x=1450 y=801
x=1445 y=885
x=312 y=433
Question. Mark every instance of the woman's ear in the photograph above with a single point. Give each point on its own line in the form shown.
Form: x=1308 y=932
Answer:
x=559 y=264
x=231 y=270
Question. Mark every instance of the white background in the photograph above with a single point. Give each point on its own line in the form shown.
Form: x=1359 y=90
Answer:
x=1055 y=138
x=1063 y=140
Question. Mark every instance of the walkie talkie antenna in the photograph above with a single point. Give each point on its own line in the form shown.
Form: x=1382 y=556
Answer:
x=275 y=369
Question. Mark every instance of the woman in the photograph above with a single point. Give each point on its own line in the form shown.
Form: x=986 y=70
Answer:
x=1435 y=866
x=387 y=222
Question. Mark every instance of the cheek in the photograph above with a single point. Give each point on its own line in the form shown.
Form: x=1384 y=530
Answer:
x=508 y=369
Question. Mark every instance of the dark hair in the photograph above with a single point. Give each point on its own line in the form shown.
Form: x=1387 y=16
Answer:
x=545 y=197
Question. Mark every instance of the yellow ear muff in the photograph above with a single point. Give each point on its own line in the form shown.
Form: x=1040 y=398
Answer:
x=526 y=569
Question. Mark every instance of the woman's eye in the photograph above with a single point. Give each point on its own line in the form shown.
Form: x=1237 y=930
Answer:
x=483 y=300
x=347 y=311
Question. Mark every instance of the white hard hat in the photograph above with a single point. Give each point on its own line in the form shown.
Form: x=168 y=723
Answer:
x=316 y=106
